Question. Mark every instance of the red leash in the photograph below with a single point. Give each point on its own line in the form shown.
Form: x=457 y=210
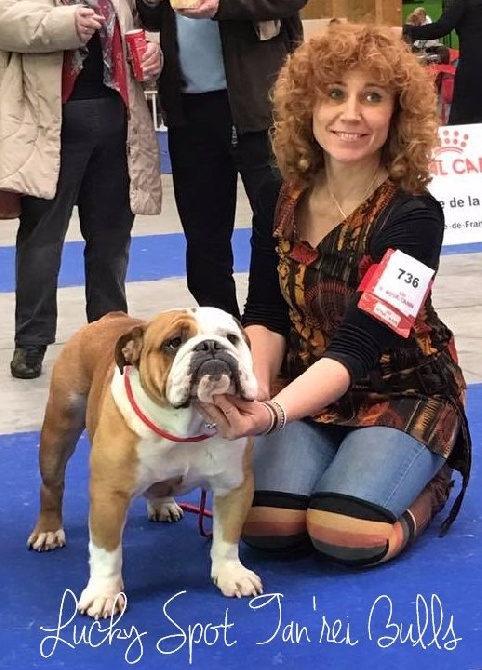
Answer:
x=201 y=511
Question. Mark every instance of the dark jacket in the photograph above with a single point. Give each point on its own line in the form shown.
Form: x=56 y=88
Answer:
x=251 y=65
x=465 y=16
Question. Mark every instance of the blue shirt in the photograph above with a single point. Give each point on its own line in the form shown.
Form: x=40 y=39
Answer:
x=200 y=55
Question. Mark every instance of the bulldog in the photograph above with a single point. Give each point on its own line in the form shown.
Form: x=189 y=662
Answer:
x=133 y=385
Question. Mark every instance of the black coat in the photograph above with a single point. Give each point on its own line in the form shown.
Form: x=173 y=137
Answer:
x=251 y=65
x=465 y=16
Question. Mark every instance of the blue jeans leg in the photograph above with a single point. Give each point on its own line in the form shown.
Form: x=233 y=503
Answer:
x=291 y=461
x=384 y=466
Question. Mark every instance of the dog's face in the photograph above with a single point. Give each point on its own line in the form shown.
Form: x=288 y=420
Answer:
x=190 y=354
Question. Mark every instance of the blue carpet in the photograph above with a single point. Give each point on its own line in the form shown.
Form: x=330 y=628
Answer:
x=420 y=612
x=153 y=257
x=166 y=167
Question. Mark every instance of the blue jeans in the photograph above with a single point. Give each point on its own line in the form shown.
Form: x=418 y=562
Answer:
x=383 y=466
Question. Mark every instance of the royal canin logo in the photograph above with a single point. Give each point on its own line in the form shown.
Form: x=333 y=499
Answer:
x=452 y=141
x=451 y=156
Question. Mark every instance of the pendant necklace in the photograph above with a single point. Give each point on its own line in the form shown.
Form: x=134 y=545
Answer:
x=365 y=193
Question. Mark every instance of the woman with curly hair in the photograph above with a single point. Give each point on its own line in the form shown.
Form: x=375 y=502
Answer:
x=360 y=415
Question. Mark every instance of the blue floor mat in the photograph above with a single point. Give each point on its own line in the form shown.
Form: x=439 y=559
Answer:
x=421 y=612
x=154 y=257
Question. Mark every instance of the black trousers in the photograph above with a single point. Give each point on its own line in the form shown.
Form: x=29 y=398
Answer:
x=93 y=175
x=206 y=157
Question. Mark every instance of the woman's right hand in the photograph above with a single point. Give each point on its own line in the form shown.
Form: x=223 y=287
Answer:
x=234 y=417
x=87 y=22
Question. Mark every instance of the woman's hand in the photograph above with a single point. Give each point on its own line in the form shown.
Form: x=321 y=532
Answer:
x=151 y=61
x=206 y=9
x=235 y=417
x=87 y=22
x=263 y=392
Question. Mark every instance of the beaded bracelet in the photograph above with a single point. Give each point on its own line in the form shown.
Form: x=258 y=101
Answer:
x=278 y=416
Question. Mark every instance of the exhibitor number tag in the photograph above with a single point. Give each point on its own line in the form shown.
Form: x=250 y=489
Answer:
x=394 y=290
x=403 y=283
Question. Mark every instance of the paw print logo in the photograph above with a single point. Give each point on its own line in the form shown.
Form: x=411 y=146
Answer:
x=452 y=140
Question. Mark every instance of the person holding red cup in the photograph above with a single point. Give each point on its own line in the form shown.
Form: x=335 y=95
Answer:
x=82 y=136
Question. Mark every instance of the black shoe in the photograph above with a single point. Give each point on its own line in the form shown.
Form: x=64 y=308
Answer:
x=27 y=362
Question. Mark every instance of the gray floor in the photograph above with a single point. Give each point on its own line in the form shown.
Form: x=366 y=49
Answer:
x=457 y=298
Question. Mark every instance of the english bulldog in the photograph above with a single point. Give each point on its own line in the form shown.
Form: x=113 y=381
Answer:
x=133 y=385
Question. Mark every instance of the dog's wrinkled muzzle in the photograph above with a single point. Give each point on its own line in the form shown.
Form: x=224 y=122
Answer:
x=211 y=366
x=213 y=370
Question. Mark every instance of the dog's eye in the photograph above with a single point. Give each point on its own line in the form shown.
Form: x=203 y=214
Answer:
x=234 y=339
x=172 y=344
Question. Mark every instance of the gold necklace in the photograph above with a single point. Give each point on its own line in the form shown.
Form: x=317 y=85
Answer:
x=364 y=196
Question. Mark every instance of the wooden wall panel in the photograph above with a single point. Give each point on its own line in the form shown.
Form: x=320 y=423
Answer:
x=318 y=9
x=359 y=11
x=381 y=11
x=391 y=12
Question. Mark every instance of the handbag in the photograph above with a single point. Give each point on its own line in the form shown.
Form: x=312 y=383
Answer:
x=10 y=204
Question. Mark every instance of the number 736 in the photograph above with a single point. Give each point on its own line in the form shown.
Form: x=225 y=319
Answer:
x=408 y=277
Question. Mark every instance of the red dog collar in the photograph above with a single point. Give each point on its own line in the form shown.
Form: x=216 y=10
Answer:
x=145 y=419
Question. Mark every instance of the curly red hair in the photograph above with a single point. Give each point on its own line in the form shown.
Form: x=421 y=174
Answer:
x=323 y=60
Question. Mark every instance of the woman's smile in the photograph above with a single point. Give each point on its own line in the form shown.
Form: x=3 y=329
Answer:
x=349 y=137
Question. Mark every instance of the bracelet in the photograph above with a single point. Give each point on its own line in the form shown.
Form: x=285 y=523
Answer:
x=273 y=417
x=278 y=416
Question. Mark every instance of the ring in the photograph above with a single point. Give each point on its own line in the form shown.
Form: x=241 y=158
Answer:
x=210 y=425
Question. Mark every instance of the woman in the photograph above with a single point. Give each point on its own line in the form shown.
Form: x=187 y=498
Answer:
x=465 y=17
x=359 y=444
x=74 y=129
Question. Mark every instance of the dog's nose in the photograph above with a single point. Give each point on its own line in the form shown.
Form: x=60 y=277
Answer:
x=208 y=346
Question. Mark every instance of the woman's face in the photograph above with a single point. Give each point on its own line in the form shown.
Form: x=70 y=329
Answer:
x=352 y=120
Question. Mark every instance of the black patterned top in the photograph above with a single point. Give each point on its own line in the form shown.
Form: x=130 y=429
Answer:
x=412 y=384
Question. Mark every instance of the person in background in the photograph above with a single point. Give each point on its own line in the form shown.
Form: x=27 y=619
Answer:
x=427 y=46
x=74 y=129
x=422 y=16
x=354 y=454
x=221 y=59
x=465 y=17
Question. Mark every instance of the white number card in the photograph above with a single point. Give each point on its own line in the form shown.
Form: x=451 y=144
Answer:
x=404 y=283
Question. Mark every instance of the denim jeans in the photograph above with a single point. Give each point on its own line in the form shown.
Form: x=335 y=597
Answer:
x=384 y=466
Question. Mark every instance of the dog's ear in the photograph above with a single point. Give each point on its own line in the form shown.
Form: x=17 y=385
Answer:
x=129 y=346
x=243 y=332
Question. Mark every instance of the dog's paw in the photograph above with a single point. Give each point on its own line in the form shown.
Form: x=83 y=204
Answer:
x=164 y=509
x=102 y=602
x=234 y=580
x=47 y=540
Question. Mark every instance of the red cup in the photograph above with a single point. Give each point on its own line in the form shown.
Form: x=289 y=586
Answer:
x=137 y=45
